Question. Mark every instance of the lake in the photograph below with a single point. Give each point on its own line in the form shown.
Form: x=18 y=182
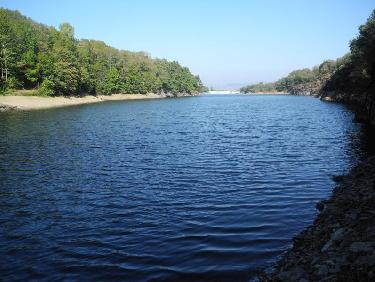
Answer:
x=203 y=188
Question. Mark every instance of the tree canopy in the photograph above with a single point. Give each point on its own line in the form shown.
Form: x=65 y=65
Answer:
x=35 y=56
x=297 y=80
x=259 y=88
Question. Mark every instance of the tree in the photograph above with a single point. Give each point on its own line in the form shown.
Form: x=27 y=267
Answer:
x=112 y=83
x=363 y=50
x=66 y=75
x=32 y=71
x=33 y=55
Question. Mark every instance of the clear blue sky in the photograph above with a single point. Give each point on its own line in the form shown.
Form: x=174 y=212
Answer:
x=225 y=42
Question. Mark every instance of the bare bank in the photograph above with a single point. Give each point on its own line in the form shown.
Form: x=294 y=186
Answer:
x=36 y=102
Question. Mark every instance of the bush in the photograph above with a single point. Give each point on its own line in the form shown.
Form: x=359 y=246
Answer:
x=47 y=88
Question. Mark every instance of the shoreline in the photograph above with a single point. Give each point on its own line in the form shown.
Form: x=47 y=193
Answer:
x=340 y=244
x=9 y=103
x=268 y=93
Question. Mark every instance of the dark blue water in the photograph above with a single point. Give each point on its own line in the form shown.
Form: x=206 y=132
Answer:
x=203 y=188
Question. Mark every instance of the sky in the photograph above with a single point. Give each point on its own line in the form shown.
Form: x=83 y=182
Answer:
x=228 y=43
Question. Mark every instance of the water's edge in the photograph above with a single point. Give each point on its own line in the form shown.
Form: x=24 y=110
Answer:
x=340 y=244
x=10 y=103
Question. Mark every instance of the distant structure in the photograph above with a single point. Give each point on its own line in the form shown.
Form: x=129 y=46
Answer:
x=223 y=92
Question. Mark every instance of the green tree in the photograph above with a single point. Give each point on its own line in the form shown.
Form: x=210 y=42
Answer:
x=363 y=51
x=66 y=75
x=34 y=55
x=112 y=83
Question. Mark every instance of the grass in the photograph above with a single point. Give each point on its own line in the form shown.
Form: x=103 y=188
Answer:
x=31 y=92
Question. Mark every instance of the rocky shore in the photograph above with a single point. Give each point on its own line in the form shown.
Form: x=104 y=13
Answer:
x=340 y=245
x=362 y=104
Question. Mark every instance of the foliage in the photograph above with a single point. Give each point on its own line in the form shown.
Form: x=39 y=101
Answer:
x=47 y=87
x=356 y=73
x=299 y=79
x=259 y=88
x=33 y=56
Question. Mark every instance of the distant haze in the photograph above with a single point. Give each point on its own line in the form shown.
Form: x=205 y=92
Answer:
x=228 y=43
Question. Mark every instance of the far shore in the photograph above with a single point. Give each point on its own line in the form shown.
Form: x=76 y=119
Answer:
x=268 y=93
x=37 y=102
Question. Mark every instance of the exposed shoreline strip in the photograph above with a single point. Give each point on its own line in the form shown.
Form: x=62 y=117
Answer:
x=34 y=102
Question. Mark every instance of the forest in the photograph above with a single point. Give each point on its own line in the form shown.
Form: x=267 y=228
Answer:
x=350 y=78
x=52 y=62
x=301 y=82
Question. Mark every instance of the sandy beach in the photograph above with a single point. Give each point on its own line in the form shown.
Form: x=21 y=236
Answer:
x=34 y=102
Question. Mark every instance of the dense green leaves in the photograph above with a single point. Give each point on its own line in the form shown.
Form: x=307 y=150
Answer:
x=289 y=83
x=304 y=81
x=259 y=88
x=363 y=48
x=356 y=71
x=53 y=61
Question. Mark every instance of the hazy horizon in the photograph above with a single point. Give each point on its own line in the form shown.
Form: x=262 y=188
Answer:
x=228 y=45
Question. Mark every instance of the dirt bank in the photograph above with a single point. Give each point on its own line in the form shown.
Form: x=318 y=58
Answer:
x=34 y=102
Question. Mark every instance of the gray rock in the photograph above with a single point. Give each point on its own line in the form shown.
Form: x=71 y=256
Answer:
x=295 y=274
x=361 y=247
x=366 y=260
x=320 y=206
x=338 y=235
x=335 y=268
x=371 y=231
x=322 y=270
x=342 y=259
x=315 y=260
x=352 y=216
x=327 y=246
x=5 y=108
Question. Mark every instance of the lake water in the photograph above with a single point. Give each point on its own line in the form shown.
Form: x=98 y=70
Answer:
x=202 y=188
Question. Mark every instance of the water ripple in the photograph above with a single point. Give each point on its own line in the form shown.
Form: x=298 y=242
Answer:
x=203 y=188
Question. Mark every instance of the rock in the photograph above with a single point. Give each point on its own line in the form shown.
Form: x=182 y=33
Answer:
x=338 y=178
x=6 y=108
x=352 y=216
x=335 y=268
x=371 y=231
x=319 y=206
x=295 y=274
x=361 y=247
x=341 y=243
x=327 y=246
x=338 y=235
x=342 y=260
x=315 y=260
x=322 y=270
x=327 y=99
x=366 y=260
